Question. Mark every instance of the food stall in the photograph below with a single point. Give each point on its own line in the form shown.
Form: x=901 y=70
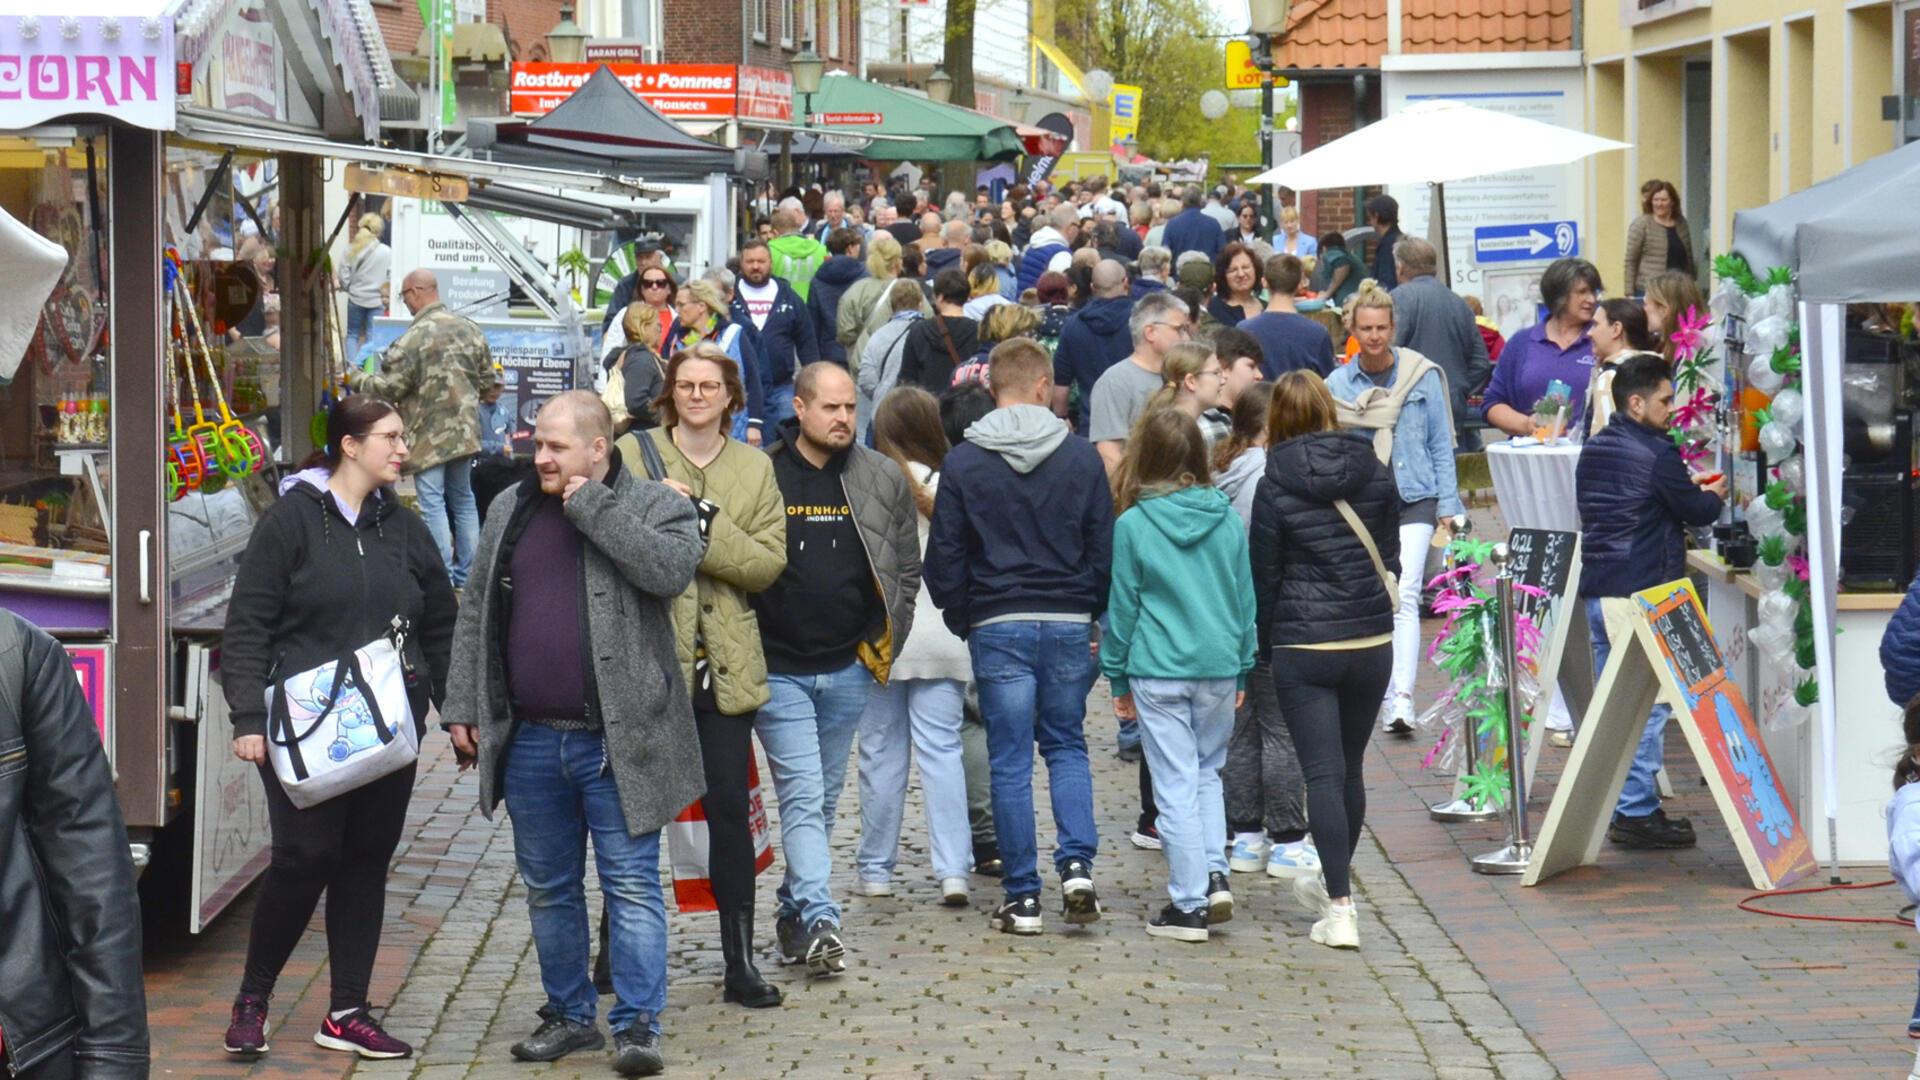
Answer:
x=180 y=160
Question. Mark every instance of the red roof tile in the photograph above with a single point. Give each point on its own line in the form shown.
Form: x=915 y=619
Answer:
x=1325 y=34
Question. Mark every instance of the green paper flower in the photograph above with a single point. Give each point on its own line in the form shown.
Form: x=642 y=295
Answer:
x=1773 y=550
x=1486 y=784
x=1779 y=495
x=1795 y=517
x=1807 y=693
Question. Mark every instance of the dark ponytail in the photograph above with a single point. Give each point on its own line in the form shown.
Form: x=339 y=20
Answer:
x=1907 y=769
x=351 y=417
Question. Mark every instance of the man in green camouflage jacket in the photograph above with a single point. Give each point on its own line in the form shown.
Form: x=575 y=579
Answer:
x=434 y=374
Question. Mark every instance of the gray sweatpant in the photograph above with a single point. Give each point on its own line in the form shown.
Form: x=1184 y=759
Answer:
x=1264 y=788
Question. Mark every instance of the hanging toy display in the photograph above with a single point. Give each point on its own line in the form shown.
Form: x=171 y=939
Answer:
x=235 y=448
x=186 y=464
x=332 y=387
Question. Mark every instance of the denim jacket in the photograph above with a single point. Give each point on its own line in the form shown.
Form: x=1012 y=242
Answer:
x=1422 y=437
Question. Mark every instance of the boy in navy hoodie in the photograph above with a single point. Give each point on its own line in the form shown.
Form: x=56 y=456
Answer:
x=1018 y=557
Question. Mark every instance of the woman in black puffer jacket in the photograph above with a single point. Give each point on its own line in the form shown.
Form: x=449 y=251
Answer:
x=1326 y=611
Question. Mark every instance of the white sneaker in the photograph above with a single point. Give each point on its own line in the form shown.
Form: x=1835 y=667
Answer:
x=1311 y=894
x=876 y=888
x=1339 y=928
x=1248 y=855
x=953 y=891
x=1294 y=861
x=1399 y=712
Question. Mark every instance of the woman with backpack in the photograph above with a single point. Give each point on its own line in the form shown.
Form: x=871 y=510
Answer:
x=936 y=346
x=1325 y=527
x=332 y=567
x=1401 y=398
x=1179 y=642
x=636 y=377
x=744 y=523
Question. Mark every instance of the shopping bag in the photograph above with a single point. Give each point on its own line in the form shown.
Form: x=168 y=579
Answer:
x=687 y=847
x=344 y=724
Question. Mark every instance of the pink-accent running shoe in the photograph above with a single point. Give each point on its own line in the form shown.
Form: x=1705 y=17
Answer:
x=357 y=1033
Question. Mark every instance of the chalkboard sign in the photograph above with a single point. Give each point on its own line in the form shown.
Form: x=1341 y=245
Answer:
x=1542 y=558
x=1687 y=644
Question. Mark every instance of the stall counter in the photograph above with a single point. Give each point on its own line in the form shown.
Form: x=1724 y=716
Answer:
x=1869 y=729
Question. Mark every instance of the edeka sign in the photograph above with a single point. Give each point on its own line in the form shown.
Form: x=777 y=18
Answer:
x=693 y=91
x=117 y=67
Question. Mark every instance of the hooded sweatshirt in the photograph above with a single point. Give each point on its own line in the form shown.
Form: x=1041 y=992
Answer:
x=1094 y=339
x=829 y=285
x=1182 y=603
x=815 y=615
x=1022 y=524
x=796 y=259
x=1241 y=478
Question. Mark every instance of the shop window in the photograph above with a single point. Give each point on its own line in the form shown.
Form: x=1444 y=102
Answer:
x=55 y=413
x=761 y=12
x=834 y=14
x=789 y=15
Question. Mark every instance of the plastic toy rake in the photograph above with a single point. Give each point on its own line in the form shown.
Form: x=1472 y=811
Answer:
x=234 y=448
x=186 y=463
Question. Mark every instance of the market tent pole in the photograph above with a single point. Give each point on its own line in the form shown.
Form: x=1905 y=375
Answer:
x=1437 y=229
x=1823 y=338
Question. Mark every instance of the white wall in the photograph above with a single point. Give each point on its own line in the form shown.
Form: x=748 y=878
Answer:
x=1541 y=86
x=999 y=35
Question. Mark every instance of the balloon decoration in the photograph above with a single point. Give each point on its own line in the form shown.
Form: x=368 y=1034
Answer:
x=1777 y=517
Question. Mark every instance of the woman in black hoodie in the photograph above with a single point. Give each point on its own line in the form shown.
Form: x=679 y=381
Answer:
x=1326 y=523
x=329 y=567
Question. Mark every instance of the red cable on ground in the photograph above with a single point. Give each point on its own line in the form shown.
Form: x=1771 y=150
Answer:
x=1747 y=904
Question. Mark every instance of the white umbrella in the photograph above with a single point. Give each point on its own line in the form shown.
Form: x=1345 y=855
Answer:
x=1433 y=142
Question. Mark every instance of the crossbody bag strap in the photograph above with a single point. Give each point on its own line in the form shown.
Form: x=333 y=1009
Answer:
x=649 y=454
x=1366 y=540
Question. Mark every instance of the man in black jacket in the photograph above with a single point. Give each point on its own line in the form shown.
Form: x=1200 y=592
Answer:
x=784 y=327
x=70 y=982
x=1636 y=501
x=1019 y=553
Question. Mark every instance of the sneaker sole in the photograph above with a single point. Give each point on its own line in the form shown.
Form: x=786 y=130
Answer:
x=1144 y=842
x=328 y=1042
x=875 y=888
x=1246 y=866
x=1023 y=925
x=826 y=957
x=1641 y=843
x=1397 y=727
x=1220 y=908
x=646 y=1066
x=1178 y=933
x=956 y=898
x=1321 y=937
x=1079 y=903
x=520 y=1053
x=1291 y=873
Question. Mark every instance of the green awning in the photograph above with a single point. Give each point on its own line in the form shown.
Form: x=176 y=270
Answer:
x=947 y=133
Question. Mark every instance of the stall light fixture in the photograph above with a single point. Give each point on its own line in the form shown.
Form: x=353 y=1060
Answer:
x=1019 y=105
x=940 y=86
x=566 y=42
x=807 y=67
x=1269 y=16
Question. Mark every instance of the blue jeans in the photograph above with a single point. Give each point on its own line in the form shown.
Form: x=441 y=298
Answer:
x=445 y=492
x=1033 y=679
x=779 y=403
x=1638 y=796
x=360 y=325
x=807 y=730
x=558 y=790
x=923 y=713
x=1186 y=724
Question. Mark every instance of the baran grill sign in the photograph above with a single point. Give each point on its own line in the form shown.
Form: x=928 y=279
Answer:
x=695 y=91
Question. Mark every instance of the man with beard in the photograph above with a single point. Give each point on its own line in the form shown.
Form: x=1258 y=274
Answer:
x=783 y=326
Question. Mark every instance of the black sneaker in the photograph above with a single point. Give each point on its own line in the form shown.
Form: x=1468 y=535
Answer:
x=791 y=940
x=986 y=861
x=247 y=1032
x=1219 y=898
x=1078 y=903
x=556 y=1037
x=1020 y=915
x=1655 y=831
x=824 y=953
x=1131 y=754
x=636 y=1051
x=1179 y=925
x=1146 y=838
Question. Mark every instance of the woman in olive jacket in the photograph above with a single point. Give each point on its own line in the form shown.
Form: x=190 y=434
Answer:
x=744 y=523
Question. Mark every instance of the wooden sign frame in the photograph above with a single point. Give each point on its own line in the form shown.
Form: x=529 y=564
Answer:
x=1641 y=671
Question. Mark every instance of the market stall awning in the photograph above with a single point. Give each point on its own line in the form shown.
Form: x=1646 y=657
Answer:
x=604 y=125
x=1849 y=238
x=946 y=132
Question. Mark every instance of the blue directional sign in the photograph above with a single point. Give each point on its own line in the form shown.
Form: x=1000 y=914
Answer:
x=1525 y=243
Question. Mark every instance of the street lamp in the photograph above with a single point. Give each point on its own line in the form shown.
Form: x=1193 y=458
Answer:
x=807 y=68
x=1269 y=18
x=940 y=86
x=1019 y=105
x=566 y=42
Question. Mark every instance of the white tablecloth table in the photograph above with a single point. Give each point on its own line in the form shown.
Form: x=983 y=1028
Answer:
x=1534 y=484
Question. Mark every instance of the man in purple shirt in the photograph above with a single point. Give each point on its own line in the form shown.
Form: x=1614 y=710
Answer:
x=1557 y=349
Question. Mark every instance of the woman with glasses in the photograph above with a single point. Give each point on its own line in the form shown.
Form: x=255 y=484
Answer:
x=703 y=318
x=331 y=567
x=744 y=523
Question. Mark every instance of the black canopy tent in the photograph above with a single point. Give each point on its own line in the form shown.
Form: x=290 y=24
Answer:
x=606 y=127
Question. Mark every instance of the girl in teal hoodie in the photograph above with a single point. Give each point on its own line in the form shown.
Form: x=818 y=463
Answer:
x=1177 y=651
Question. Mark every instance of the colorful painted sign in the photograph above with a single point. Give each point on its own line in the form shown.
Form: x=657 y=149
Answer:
x=60 y=65
x=1739 y=768
x=244 y=71
x=691 y=91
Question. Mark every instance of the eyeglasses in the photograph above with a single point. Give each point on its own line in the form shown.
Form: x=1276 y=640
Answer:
x=654 y=283
x=694 y=389
x=1216 y=373
x=396 y=438
x=1183 y=329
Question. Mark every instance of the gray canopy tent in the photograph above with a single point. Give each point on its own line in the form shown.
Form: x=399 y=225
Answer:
x=1848 y=239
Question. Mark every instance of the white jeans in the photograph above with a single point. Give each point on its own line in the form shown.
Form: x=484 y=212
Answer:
x=924 y=714
x=1415 y=540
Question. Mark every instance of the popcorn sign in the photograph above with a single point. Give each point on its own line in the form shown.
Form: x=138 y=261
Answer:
x=62 y=65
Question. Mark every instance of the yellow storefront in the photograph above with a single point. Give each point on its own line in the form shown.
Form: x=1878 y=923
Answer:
x=1737 y=102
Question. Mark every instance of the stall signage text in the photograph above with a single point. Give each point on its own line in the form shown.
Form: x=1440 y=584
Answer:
x=695 y=91
x=117 y=67
x=839 y=118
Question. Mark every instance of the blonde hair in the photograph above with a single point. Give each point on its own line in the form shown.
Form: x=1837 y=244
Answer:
x=1368 y=295
x=706 y=292
x=371 y=225
x=1004 y=322
x=1288 y=213
x=883 y=258
x=1183 y=360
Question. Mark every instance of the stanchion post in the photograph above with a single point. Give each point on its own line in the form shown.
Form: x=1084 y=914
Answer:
x=1460 y=809
x=1513 y=858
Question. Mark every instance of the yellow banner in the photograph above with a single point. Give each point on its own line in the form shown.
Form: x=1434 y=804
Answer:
x=1124 y=106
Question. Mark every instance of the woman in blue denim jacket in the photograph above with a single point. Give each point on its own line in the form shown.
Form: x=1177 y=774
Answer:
x=1402 y=397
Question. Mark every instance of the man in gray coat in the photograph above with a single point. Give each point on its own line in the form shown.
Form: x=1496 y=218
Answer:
x=566 y=689
x=1434 y=321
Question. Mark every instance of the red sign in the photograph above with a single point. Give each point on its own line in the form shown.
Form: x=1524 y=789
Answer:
x=697 y=91
x=846 y=118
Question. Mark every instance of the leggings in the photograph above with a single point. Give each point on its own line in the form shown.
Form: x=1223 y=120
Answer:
x=341 y=847
x=1329 y=699
x=726 y=747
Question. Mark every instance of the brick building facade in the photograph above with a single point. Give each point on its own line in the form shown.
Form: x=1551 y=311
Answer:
x=524 y=22
x=702 y=31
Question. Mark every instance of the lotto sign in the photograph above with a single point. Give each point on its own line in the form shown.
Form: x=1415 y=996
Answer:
x=1241 y=73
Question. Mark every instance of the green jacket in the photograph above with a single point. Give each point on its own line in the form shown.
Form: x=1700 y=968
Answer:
x=434 y=374
x=796 y=258
x=746 y=551
x=1182 y=603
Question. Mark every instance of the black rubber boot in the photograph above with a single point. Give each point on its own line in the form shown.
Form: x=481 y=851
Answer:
x=602 y=966
x=743 y=983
